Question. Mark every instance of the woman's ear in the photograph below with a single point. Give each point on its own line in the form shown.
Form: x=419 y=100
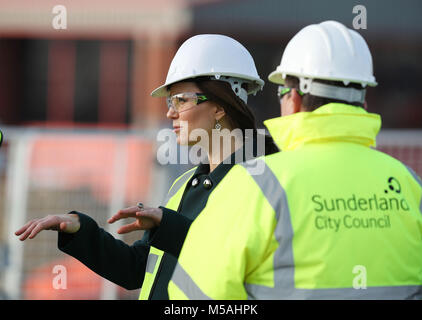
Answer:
x=219 y=113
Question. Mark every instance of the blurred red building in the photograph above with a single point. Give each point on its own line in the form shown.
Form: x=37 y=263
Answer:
x=101 y=69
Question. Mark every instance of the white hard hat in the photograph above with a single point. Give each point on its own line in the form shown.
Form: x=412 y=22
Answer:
x=327 y=51
x=220 y=57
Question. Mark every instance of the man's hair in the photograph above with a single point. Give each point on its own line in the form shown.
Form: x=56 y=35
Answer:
x=311 y=102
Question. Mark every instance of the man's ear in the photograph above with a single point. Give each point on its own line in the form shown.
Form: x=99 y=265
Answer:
x=296 y=99
x=365 y=105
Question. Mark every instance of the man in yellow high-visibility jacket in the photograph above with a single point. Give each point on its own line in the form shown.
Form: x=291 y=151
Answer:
x=329 y=217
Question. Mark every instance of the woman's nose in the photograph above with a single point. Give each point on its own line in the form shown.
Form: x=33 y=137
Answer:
x=172 y=114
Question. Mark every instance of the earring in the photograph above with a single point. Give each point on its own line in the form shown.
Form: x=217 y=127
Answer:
x=217 y=126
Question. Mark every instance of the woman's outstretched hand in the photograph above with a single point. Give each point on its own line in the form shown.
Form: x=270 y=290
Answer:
x=68 y=223
x=146 y=218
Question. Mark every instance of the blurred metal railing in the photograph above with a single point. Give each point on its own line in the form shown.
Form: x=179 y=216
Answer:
x=55 y=171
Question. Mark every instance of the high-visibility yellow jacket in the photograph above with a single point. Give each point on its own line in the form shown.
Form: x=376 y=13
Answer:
x=186 y=199
x=172 y=202
x=328 y=217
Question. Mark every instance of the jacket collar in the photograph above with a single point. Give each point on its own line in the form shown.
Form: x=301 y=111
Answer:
x=221 y=170
x=330 y=122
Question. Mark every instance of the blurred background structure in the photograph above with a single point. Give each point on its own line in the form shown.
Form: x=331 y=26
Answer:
x=80 y=125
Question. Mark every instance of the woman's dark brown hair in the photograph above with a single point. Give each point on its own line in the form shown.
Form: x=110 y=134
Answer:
x=237 y=111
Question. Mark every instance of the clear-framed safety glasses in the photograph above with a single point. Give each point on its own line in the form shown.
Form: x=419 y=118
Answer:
x=185 y=100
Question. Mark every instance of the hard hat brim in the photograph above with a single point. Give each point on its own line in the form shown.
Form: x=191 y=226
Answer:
x=277 y=77
x=256 y=83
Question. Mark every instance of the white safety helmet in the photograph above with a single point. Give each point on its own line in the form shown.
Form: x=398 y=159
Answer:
x=327 y=51
x=217 y=56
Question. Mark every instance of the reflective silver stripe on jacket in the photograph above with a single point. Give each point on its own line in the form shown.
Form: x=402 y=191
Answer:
x=284 y=287
x=283 y=256
x=413 y=173
x=151 y=262
x=179 y=183
x=185 y=283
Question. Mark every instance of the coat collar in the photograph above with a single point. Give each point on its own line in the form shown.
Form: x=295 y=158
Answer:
x=330 y=122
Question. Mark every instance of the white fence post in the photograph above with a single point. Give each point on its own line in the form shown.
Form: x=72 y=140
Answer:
x=15 y=208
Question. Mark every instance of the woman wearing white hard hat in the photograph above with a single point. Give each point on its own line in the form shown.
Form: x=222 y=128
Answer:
x=207 y=87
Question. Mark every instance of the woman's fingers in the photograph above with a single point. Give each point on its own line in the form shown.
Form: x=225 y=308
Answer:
x=155 y=214
x=28 y=231
x=124 y=213
x=141 y=223
x=128 y=228
x=67 y=223
x=26 y=226
x=43 y=224
x=146 y=221
x=149 y=213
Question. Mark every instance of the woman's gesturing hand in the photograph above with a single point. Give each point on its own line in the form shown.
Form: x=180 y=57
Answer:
x=146 y=218
x=68 y=223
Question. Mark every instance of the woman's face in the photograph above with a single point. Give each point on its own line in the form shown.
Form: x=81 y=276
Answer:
x=191 y=116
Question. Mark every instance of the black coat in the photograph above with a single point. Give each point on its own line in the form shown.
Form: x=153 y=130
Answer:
x=125 y=264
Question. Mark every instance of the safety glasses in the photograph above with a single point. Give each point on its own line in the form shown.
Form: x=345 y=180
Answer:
x=183 y=101
x=282 y=90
